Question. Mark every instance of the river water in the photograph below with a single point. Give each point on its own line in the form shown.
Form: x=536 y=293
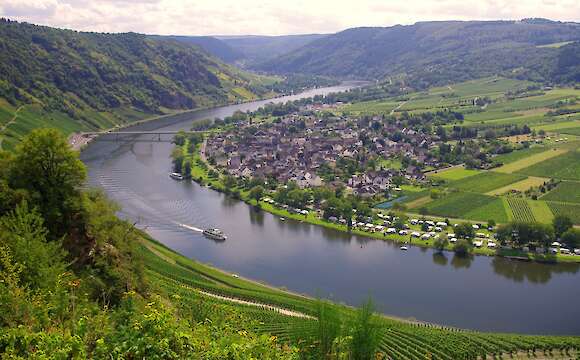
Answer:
x=481 y=293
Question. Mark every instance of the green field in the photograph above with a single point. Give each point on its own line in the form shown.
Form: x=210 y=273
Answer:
x=541 y=211
x=571 y=130
x=529 y=160
x=469 y=206
x=485 y=182
x=455 y=173
x=565 y=167
x=518 y=155
x=570 y=210
x=566 y=191
x=371 y=107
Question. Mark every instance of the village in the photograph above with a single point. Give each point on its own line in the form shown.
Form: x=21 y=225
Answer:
x=314 y=150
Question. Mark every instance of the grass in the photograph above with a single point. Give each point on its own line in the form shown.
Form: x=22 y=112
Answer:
x=530 y=160
x=570 y=210
x=485 y=182
x=566 y=191
x=571 y=131
x=470 y=206
x=565 y=166
x=556 y=126
x=455 y=173
x=517 y=155
x=541 y=211
x=519 y=186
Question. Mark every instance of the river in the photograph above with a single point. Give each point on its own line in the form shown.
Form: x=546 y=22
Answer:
x=482 y=293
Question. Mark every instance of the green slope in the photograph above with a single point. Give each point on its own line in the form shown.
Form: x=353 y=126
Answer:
x=74 y=80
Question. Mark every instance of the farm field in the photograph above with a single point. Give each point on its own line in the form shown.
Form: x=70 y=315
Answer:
x=558 y=125
x=517 y=155
x=371 y=107
x=455 y=173
x=469 y=206
x=520 y=209
x=541 y=211
x=566 y=191
x=571 y=131
x=485 y=182
x=570 y=210
x=519 y=186
x=530 y=160
x=565 y=166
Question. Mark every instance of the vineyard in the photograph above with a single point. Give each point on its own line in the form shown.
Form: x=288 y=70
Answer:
x=570 y=210
x=208 y=293
x=520 y=209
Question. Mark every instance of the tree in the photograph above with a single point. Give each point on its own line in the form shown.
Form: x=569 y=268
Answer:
x=441 y=243
x=491 y=223
x=23 y=233
x=177 y=159
x=256 y=193
x=571 y=238
x=465 y=230
x=365 y=333
x=46 y=166
x=462 y=247
x=561 y=223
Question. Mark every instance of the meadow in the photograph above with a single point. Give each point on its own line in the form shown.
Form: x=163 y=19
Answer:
x=530 y=160
x=517 y=155
x=455 y=173
x=469 y=206
x=566 y=191
x=565 y=167
x=485 y=181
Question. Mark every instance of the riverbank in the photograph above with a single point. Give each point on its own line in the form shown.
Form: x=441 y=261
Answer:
x=279 y=312
x=200 y=173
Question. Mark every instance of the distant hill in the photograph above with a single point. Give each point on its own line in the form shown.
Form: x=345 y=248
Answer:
x=212 y=45
x=74 y=80
x=258 y=49
x=438 y=52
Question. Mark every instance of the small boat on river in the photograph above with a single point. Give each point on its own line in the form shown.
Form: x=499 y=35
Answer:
x=215 y=234
x=176 y=176
x=404 y=248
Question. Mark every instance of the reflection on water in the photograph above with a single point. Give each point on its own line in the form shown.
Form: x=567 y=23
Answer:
x=256 y=216
x=461 y=261
x=439 y=258
x=520 y=271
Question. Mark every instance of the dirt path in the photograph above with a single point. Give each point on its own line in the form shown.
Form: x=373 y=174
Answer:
x=235 y=300
x=12 y=121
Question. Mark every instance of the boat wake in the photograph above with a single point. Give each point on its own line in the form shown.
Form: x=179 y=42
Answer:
x=192 y=228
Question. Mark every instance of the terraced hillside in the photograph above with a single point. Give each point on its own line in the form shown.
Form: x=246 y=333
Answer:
x=293 y=318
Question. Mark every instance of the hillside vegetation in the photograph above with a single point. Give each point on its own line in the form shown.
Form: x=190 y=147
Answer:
x=73 y=80
x=431 y=53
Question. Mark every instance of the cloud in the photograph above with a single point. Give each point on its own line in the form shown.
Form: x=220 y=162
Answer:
x=268 y=17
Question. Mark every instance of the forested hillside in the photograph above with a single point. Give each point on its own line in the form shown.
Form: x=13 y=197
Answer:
x=212 y=45
x=74 y=80
x=438 y=52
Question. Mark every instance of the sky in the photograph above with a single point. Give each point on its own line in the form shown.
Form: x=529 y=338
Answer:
x=269 y=17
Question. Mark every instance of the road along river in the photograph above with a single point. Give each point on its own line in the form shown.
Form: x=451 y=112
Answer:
x=482 y=293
